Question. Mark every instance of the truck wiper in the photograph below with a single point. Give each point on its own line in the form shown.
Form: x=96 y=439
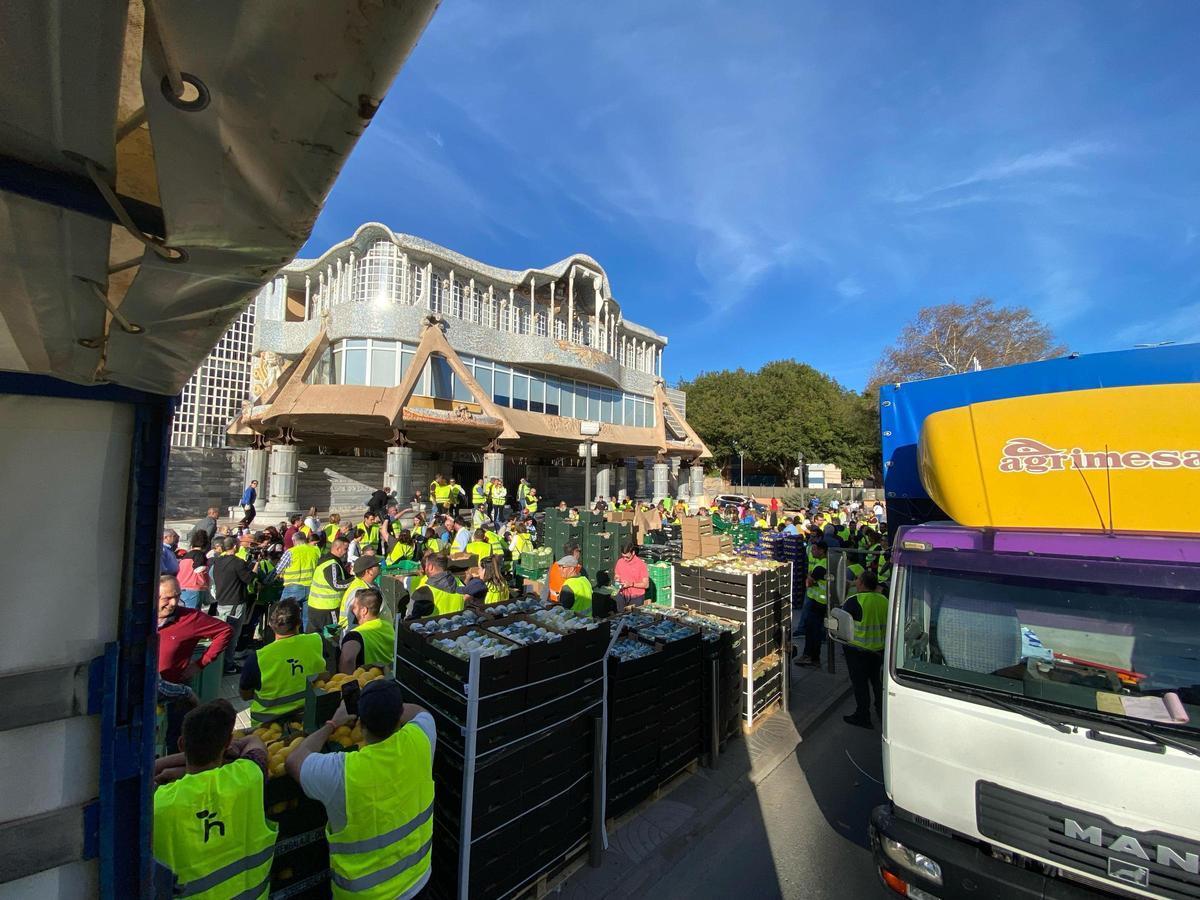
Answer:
x=1011 y=707
x=1146 y=732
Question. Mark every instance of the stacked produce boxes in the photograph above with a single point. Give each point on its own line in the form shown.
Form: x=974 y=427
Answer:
x=654 y=702
x=660 y=577
x=721 y=680
x=790 y=548
x=517 y=696
x=757 y=594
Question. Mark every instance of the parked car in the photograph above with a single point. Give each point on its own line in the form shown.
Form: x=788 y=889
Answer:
x=723 y=500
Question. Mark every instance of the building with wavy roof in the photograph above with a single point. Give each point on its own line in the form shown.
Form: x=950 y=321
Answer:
x=391 y=343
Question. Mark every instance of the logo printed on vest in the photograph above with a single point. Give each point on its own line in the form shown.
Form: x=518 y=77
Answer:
x=296 y=665
x=1037 y=458
x=210 y=822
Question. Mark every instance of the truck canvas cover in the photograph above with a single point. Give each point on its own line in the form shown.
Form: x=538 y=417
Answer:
x=905 y=407
x=1098 y=459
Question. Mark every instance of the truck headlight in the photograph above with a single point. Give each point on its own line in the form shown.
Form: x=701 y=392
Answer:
x=917 y=863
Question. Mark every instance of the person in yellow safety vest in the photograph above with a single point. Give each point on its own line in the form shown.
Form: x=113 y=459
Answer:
x=275 y=676
x=437 y=590
x=812 y=614
x=329 y=584
x=531 y=502
x=497 y=498
x=372 y=642
x=333 y=528
x=522 y=493
x=519 y=542
x=479 y=494
x=433 y=486
x=442 y=495
x=210 y=826
x=497 y=587
x=403 y=549
x=496 y=542
x=296 y=568
x=457 y=496
x=479 y=545
x=366 y=570
x=379 y=800
x=576 y=591
x=368 y=534
x=681 y=508
x=864 y=654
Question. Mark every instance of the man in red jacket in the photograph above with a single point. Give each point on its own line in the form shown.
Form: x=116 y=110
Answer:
x=180 y=629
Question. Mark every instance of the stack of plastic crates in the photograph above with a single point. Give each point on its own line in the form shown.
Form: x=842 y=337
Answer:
x=660 y=576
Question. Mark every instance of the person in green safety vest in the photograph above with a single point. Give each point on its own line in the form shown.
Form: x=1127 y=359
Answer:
x=531 y=502
x=296 y=568
x=210 y=826
x=368 y=534
x=442 y=495
x=333 y=528
x=576 y=591
x=864 y=653
x=329 y=583
x=275 y=676
x=497 y=543
x=372 y=642
x=366 y=572
x=497 y=500
x=812 y=615
x=437 y=592
x=479 y=546
x=479 y=494
x=402 y=549
x=379 y=800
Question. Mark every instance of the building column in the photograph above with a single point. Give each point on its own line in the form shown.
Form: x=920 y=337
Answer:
x=604 y=480
x=662 y=481
x=493 y=465
x=285 y=461
x=621 y=485
x=571 y=307
x=398 y=473
x=256 y=468
x=639 y=479
x=696 y=479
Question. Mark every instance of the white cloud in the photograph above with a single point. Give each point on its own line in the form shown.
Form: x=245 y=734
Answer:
x=1181 y=325
x=850 y=287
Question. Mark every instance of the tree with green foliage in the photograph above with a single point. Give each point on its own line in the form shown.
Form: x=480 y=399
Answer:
x=783 y=409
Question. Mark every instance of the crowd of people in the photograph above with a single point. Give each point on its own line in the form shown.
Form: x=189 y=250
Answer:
x=300 y=600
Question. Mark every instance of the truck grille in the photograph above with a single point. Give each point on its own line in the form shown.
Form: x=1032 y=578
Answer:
x=1161 y=864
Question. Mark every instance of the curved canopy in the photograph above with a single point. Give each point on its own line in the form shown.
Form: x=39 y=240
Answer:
x=134 y=222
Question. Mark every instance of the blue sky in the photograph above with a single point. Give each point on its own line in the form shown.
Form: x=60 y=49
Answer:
x=771 y=180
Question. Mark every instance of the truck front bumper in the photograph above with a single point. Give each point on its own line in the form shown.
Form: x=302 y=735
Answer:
x=967 y=872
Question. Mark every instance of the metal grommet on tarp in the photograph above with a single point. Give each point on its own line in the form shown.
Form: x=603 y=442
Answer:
x=195 y=104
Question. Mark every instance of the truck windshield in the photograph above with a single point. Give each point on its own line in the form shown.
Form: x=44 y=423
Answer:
x=1115 y=650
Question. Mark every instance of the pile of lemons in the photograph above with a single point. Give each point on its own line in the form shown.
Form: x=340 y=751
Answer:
x=363 y=676
x=277 y=754
x=348 y=736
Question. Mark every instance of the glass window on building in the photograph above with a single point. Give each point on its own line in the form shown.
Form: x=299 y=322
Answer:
x=501 y=392
x=383 y=364
x=462 y=393
x=520 y=391
x=593 y=402
x=552 y=393
x=354 y=362
x=406 y=360
x=441 y=378
x=537 y=393
x=639 y=414
x=484 y=376
x=630 y=415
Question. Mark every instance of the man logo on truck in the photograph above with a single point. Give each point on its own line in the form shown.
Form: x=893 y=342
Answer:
x=1131 y=846
x=1036 y=458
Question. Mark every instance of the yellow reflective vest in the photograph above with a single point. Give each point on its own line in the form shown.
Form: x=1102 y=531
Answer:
x=321 y=595
x=379 y=642
x=302 y=562
x=286 y=665
x=582 y=589
x=211 y=831
x=869 y=630
x=384 y=850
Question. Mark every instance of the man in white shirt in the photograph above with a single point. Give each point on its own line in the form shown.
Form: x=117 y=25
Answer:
x=322 y=776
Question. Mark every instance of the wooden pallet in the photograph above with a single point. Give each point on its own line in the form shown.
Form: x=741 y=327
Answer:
x=667 y=785
x=575 y=859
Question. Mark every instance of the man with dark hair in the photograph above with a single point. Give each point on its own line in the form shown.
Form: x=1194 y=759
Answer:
x=232 y=577
x=379 y=801
x=329 y=583
x=633 y=576
x=249 y=495
x=275 y=676
x=372 y=642
x=366 y=572
x=438 y=591
x=812 y=616
x=210 y=827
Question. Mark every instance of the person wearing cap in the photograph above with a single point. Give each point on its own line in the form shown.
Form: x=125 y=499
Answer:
x=379 y=800
x=576 y=591
x=372 y=642
x=555 y=577
x=366 y=570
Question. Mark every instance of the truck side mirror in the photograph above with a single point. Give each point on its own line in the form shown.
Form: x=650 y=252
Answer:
x=836 y=562
x=840 y=625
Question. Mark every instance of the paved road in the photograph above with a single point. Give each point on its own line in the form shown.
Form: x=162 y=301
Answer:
x=801 y=833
